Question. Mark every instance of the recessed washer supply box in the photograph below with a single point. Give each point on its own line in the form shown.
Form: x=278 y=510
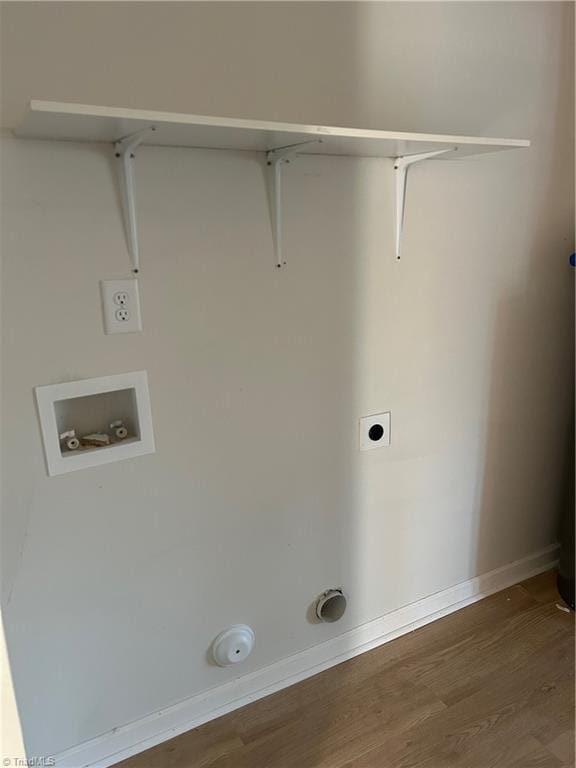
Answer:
x=91 y=405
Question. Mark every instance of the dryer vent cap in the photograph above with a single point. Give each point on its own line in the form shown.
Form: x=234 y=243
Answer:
x=331 y=605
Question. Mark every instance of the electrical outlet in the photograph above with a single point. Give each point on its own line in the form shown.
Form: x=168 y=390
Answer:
x=374 y=431
x=120 y=306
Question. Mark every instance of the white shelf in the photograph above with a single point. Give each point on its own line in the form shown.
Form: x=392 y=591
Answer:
x=126 y=129
x=82 y=122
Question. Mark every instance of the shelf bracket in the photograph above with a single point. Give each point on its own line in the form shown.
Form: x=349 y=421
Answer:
x=125 y=151
x=275 y=159
x=401 y=165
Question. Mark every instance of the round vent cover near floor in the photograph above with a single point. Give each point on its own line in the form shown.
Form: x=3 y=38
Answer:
x=233 y=645
x=331 y=605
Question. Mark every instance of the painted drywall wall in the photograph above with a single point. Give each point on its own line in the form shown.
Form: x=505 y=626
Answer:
x=12 y=741
x=116 y=579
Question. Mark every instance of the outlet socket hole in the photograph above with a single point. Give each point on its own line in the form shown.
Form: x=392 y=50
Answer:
x=376 y=432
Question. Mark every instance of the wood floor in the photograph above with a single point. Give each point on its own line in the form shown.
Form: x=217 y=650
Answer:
x=491 y=686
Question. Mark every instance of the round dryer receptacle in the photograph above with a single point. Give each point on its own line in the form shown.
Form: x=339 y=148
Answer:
x=233 y=645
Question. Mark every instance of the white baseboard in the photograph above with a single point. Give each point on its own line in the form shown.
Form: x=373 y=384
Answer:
x=132 y=738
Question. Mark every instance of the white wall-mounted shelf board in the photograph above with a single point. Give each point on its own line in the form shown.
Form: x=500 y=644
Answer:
x=128 y=128
x=81 y=122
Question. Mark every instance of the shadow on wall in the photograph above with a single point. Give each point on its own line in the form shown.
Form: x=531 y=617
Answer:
x=529 y=421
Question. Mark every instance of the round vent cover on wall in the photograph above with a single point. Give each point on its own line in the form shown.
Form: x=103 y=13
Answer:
x=233 y=645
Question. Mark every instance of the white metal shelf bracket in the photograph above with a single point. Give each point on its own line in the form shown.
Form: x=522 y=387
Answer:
x=401 y=165
x=275 y=159
x=125 y=151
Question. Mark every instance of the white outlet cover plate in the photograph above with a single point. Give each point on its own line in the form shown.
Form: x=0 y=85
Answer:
x=112 y=309
x=375 y=431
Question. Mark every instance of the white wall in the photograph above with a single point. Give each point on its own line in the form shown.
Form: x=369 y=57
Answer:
x=117 y=578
